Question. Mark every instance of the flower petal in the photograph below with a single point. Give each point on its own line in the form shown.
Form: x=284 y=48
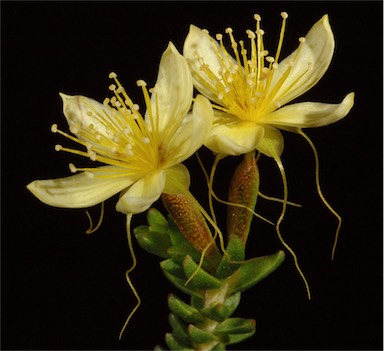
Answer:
x=142 y=194
x=172 y=97
x=82 y=115
x=301 y=70
x=232 y=136
x=200 y=48
x=191 y=134
x=272 y=144
x=79 y=190
x=178 y=180
x=310 y=114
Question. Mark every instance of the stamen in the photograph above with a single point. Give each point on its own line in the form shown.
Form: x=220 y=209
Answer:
x=58 y=147
x=112 y=75
x=54 y=128
x=72 y=168
x=112 y=87
x=141 y=83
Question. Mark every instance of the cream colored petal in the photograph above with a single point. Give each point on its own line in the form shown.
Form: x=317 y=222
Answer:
x=142 y=194
x=191 y=134
x=83 y=114
x=272 y=144
x=301 y=70
x=200 y=48
x=79 y=190
x=178 y=180
x=231 y=136
x=310 y=114
x=172 y=97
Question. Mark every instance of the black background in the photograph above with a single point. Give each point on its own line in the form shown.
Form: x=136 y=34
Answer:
x=63 y=289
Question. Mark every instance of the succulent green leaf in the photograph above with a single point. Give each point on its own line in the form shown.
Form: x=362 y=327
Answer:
x=236 y=338
x=154 y=217
x=155 y=242
x=219 y=347
x=184 y=311
x=254 y=270
x=236 y=326
x=235 y=250
x=199 y=336
x=201 y=279
x=180 y=284
x=221 y=311
x=179 y=329
x=173 y=267
x=174 y=344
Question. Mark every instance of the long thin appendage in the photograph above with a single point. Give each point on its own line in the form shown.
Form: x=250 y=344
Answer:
x=92 y=229
x=134 y=261
x=271 y=198
x=284 y=179
x=330 y=208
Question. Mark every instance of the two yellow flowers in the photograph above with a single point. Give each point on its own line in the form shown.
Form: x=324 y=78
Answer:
x=143 y=153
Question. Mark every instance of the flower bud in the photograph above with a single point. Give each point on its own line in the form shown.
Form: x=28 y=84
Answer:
x=192 y=225
x=243 y=190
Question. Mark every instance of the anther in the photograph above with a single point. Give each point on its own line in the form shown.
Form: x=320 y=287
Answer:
x=302 y=40
x=135 y=107
x=72 y=168
x=106 y=101
x=92 y=156
x=146 y=140
x=219 y=37
x=275 y=65
x=284 y=15
x=229 y=30
x=118 y=104
x=112 y=87
x=251 y=34
x=58 y=147
x=257 y=17
x=54 y=128
x=260 y=31
x=112 y=75
x=270 y=59
x=141 y=83
x=119 y=90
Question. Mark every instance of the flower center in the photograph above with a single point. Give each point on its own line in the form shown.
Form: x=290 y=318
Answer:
x=116 y=135
x=243 y=85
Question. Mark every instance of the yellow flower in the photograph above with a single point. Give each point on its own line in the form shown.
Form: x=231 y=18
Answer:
x=249 y=91
x=142 y=155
